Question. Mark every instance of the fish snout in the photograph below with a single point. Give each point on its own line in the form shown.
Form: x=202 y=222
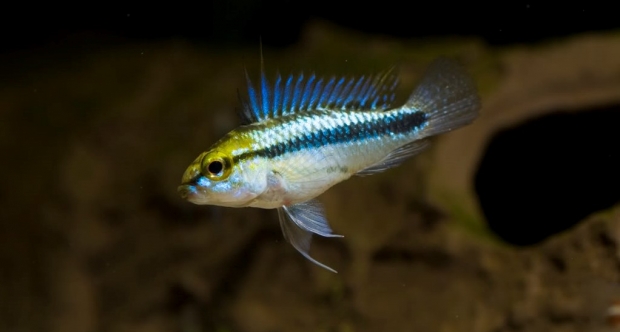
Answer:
x=190 y=193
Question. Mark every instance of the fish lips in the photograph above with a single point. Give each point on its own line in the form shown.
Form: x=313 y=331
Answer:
x=192 y=193
x=200 y=195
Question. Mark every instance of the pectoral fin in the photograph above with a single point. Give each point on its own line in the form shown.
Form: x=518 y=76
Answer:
x=299 y=221
x=395 y=157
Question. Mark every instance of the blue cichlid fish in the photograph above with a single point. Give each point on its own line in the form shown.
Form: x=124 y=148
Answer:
x=306 y=134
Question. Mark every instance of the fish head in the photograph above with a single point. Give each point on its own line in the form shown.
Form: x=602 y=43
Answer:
x=215 y=177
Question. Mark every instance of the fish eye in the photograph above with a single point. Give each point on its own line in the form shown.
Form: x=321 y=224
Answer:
x=216 y=166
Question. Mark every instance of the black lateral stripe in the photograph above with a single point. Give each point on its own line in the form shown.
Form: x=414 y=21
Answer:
x=398 y=123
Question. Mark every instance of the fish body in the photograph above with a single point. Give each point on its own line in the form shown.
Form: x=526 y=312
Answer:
x=304 y=135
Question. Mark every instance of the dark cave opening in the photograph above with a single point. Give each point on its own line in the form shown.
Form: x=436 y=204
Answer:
x=547 y=174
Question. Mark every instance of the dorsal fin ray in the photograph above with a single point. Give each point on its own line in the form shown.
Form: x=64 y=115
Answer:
x=264 y=85
x=300 y=93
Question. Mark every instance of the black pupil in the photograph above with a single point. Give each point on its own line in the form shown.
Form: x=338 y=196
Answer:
x=215 y=167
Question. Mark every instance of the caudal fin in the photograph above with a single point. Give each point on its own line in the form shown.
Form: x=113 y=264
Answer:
x=448 y=95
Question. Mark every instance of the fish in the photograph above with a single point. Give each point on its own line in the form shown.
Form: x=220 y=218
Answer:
x=303 y=134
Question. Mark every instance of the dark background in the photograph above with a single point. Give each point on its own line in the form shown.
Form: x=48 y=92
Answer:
x=96 y=235
x=29 y=30
x=279 y=22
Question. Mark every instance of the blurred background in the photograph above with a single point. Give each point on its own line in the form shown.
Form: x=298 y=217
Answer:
x=280 y=23
x=510 y=224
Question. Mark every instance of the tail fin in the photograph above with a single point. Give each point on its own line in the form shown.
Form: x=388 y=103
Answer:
x=448 y=95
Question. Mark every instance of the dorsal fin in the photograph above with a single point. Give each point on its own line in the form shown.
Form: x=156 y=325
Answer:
x=297 y=93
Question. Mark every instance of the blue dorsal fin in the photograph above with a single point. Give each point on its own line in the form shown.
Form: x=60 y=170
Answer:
x=299 y=93
x=251 y=111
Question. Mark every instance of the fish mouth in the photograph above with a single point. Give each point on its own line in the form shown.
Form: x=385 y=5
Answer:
x=198 y=195
x=190 y=193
